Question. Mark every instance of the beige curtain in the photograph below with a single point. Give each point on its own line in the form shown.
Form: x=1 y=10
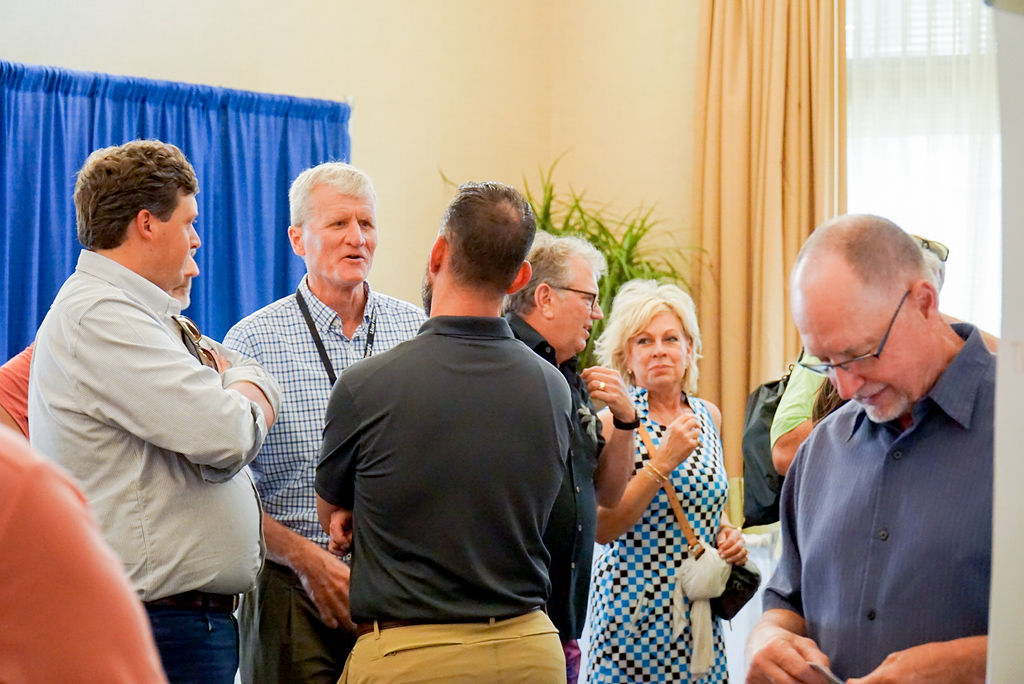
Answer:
x=769 y=166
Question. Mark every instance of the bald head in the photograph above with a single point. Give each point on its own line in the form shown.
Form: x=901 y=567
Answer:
x=859 y=283
x=879 y=253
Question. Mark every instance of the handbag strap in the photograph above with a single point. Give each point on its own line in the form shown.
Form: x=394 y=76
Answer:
x=694 y=545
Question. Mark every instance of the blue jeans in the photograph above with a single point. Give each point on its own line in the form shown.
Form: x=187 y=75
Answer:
x=195 y=647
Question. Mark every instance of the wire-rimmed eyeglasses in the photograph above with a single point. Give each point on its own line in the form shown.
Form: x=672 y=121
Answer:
x=825 y=368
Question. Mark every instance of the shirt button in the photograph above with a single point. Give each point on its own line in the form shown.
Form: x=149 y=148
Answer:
x=579 y=528
x=577 y=489
x=871 y=614
x=883 y=534
x=897 y=455
x=572 y=565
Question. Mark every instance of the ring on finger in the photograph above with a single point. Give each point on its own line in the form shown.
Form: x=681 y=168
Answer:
x=600 y=385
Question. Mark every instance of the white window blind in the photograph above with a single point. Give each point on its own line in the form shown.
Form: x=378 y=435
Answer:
x=923 y=136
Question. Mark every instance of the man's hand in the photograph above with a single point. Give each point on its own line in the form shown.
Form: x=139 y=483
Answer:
x=786 y=658
x=606 y=386
x=961 y=661
x=222 y=363
x=778 y=653
x=326 y=580
x=323 y=576
x=340 y=532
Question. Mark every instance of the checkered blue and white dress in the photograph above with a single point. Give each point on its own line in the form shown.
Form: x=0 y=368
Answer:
x=630 y=598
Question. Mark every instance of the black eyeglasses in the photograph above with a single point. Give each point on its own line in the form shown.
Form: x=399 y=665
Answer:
x=825 y=368
x=591 y=296
x=194 y=342
x=937 y=248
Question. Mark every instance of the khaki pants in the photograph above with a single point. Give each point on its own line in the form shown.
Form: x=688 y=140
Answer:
x=523 y=649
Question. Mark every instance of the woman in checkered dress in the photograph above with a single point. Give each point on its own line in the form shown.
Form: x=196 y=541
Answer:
x=652 y=338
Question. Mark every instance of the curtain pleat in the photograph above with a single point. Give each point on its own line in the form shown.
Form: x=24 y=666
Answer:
x=246 y=148
x=769 y=167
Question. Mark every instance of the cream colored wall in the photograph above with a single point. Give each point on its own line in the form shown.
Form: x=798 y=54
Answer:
x=481 y=89
x=622 y=104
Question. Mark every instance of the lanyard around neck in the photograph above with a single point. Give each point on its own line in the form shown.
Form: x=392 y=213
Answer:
x=371 y=330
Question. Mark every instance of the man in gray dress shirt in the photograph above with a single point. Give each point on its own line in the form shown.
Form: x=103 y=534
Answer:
x=159 y=441
x=887 y=508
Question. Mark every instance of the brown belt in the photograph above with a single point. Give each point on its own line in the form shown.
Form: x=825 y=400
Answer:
x=367 y=627
x=198 y=600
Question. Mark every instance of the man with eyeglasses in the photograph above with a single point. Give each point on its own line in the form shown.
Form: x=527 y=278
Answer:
x=158 y=441
x=793 y=418
x=553 y=315
x=886 y=510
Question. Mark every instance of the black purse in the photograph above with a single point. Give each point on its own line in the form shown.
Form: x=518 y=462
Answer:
x=741 y=587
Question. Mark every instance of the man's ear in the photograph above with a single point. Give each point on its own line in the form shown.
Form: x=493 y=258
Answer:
x=542 y=300
x=143 y=224
x=438 y=254
x=521 y=279
x=925 y=297
x=295 y=238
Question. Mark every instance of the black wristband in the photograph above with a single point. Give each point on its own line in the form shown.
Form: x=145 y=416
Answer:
x=622 y=425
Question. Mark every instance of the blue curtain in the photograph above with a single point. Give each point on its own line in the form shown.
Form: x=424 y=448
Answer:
x=246 y=149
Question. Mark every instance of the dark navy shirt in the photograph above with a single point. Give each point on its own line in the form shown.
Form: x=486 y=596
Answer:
x=573 y=525
x=449 y=449
x=887 y=533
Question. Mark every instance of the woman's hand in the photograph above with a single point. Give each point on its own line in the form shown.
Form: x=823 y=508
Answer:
x=731 y=546
x=679 y=442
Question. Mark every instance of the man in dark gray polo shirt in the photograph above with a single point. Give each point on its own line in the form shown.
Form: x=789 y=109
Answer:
x=887 y=509
x=443 y=476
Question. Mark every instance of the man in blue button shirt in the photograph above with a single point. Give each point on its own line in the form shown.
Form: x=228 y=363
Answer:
x=886 y=511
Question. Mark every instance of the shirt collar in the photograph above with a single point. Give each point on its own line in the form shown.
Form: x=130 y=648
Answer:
x=110 y=271
x=954 y=393
x=323 y=315
x=529 y=336
x=956 y=389
x=468 y=326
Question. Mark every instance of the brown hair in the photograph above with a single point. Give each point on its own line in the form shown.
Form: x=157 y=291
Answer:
x=490 y=228
x=826 y=400
x=118 y=182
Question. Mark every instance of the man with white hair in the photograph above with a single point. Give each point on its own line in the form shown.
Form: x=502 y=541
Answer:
x=553 y=315
x=295 y=625
x=887 y=520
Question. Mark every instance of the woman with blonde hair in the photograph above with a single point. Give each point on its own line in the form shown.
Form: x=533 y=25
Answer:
x=640 y=619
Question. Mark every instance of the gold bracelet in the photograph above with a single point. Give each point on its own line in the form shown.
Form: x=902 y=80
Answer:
x=652 y=476
x=661 y=476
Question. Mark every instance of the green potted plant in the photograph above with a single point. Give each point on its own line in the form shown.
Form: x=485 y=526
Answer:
x=620 y=238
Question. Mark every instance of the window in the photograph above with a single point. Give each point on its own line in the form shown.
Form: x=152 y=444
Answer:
x=923 y=136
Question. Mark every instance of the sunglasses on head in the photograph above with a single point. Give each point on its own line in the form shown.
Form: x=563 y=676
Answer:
x=937 y=248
